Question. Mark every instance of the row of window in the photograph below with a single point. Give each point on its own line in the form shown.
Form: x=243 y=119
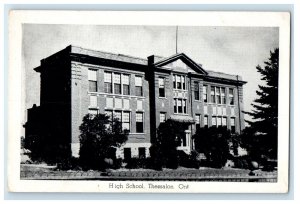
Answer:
x=217 y=94
x=215 y=122
x=127 y=153
x=115 y=83
x=125 y=118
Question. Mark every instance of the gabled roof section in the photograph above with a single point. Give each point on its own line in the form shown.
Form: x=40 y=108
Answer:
x=196 y=67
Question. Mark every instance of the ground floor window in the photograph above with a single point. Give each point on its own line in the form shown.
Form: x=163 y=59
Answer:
x=142 y=152
x=122 y=116
x=127 y=154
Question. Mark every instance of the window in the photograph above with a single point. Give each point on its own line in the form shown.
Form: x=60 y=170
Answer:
x=183 y=82
x=232 y=125
x=179 y=82
x=118 y=116
x=110 y=118
x=139 y=123
x=92 y=77
x=184 y=105
x=109 y=114
x=127 y=154
x=198 y=121
x=206 y=121
x=214 y=121
x=93 y=101
x=123 y=117
x=142 y=152
x=107 y=82
x=125 y=82
x=205 y=94
x=179 y=104
x=218 y=95
x=126 y=121
x=224 y=121
x=212 y=95
x=196 y=91
x=223 y=98
x=219 y=121
x=138 y=86
x=162 y=117
x=161 y=84
x=117 y=83
x=231 y=97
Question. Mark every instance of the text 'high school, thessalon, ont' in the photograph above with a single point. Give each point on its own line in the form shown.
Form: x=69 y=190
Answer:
x=141 y=93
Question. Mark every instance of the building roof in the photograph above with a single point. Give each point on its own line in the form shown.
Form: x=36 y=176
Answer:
x=158 y=60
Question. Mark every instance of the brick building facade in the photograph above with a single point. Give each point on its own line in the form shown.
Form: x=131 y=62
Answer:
x=142 y=93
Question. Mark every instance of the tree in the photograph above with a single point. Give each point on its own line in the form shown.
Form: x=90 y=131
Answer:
x=164 y=151
x=214 y=143
x=265 y=113
x=99 y=139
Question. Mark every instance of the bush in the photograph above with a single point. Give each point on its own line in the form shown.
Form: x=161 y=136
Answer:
x=137 y=163
x=214 y=143
x=98 y=140
x=189 y=161
x=68 y=163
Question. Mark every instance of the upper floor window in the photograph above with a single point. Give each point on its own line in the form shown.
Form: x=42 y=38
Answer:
x=204 y=93
x=138 y=86
x=231 y=96
x=206 y=121
x=126 y=84
x=179 y=82
x=92 y=78
x=139 y=123
x=180 y=106
x=218 y=95
x=196 y=91
x=107 y=82
x=212 y=94
x=117 y=83
x=223 y=98
x=161 y=86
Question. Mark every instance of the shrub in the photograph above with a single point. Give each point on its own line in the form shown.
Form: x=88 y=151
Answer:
x=189 y=161
x=136 y=163
x=98 y=139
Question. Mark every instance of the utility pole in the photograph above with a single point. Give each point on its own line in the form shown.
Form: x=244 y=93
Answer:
x=176 y=37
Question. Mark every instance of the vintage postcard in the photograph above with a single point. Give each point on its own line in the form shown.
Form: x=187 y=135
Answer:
x=156 y=102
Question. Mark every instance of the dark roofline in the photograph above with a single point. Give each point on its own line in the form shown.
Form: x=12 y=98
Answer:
x=79 y=51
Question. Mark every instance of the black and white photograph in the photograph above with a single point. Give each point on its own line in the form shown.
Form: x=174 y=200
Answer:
x=150 y=107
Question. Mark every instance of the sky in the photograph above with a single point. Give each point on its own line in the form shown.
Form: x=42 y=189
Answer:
x=232 y=50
